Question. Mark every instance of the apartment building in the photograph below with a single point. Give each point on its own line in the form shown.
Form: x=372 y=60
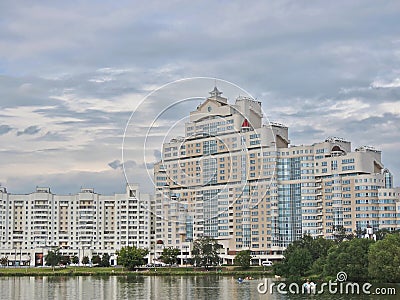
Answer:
x=84 y=224
x=236 y=178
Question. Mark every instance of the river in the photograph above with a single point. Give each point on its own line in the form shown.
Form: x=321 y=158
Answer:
x=155 y=287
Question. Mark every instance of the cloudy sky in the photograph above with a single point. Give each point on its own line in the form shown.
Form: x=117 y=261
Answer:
x=72 y=72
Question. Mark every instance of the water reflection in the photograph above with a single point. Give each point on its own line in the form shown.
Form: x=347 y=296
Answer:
x=146 y=287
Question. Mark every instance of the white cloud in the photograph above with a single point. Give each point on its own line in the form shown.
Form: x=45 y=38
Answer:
x=388 y=107
x=78 y=103
x=350 y=108
x=395 y=83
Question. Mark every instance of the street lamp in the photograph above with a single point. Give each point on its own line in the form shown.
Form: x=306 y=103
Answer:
x=83 y=252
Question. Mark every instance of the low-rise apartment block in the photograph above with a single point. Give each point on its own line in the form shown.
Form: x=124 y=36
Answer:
x=84 y=224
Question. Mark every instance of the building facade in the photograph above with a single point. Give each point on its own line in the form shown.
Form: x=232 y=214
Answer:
x=240 y=181
x=84 y=224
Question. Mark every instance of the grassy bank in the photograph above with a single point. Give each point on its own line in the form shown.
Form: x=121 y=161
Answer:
x=96 y=271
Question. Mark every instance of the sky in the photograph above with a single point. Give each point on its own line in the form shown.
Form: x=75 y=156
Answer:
x=73 y=72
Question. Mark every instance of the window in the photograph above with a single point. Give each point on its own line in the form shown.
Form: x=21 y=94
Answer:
x=348 y=161
x=348 y=168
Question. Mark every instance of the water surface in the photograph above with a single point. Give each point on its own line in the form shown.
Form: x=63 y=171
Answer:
x=150 y=287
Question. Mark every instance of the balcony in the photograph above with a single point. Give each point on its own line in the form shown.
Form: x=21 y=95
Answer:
x=40 y=224
x=18 y=238
x=40 y=215
x=86 y=214
x=88 y=221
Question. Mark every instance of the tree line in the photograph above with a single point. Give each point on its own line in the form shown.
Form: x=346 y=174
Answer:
x=55 y=258
x=362 y=259
x=205 y=253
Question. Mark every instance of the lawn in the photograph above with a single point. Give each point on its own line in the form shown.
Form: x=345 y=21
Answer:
x=60 y=271
x=118 y=271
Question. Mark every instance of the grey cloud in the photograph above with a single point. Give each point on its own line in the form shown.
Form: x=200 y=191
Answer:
x=117 y=164
x=106 y=182
x=52 y=136
x=31 y=130
x=296 y=55
x=157 y=154
x=371 y=95
x=4 y=129
x=52 y=150
x=178 y=36
x=149 y=166
x=25 y=91
x=130 y=164
x=84 y=118
x=302 y=134
x=374 y=130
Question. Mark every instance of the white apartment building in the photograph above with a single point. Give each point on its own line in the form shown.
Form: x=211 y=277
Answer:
x=235 y=178
x=84 y=224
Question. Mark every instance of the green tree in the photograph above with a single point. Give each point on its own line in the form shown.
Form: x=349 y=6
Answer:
x=85 y=260
x=360 y=233
x=381 y=233
x=318 y=247
x=131 y=257
x=96 y=260
x=105 y=260
x=205 y=252
x=319 y=251
x=350 y=257
x=4 y=261
x=384 y=259
x=299 y=263
x=170 y=255
x=303 y=257
x=53 y=258
x=65 y=260
x=340 y=234
x=243 y=259
x=75 y=259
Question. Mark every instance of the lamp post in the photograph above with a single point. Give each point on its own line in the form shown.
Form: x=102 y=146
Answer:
x=155 y=251
x=186 y=254
x=83 y=252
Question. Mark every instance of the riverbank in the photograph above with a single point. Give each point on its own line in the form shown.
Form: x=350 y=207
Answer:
x=118 y=271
